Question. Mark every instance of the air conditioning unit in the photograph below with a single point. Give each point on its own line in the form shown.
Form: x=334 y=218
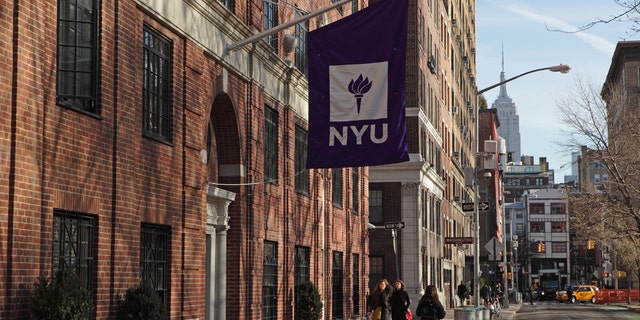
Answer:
x=456 y=154
x=473 y=50
x=488 y=161
x=463 y=128
x=456 y=198
x=491 y=146
x=454 y=110
x=454 y=22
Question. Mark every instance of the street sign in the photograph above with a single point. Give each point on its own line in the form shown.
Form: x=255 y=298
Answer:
x=493 y=246
x=394 y=225
x=458 y=240
x=469 y=206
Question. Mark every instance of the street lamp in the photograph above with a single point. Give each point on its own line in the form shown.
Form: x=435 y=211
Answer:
x=562 y=68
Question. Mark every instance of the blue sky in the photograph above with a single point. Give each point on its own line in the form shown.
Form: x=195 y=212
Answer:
x=521 y=27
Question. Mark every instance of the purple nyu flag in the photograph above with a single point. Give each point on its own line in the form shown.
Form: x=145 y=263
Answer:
x=357 y=89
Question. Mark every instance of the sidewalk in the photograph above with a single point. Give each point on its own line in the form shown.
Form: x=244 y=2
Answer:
x=634 y=306
x=507 y=313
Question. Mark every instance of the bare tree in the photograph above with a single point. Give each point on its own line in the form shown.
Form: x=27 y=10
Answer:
x=607 y=122
x=629 y=13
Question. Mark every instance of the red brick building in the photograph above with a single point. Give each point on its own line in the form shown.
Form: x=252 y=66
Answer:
x=134 y=146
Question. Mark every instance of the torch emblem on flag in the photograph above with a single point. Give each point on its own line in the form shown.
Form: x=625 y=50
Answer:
x=359 y=87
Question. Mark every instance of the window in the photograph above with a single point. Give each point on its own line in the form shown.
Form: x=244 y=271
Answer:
x=537 y=226
x=77 y=47
x=596 y=178
x=558 y=247
x=73 y=245
x=539 y=181
x=354 y=6
x=337 y=289
x=536 y=208
x=302 y=173
x=339 y=8
x=355 y=279
x=156 y=84
x=154 y=256
x=376 y=215
x=271 y=20
x=301 y=269
x=528 y=169
x=558 y=226
x=229 y=4
x=519 y=227
x=376 y=271
x=270 y=281
x=270 y=144
x=300 y=53
x=558 y=208
x=336 y=183
x=355 y=189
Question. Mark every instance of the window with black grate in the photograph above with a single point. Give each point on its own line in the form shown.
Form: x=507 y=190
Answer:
x=270 y=145
x=337 y=286
x=270 y=281
x=154 y=258
x=337 y=186
x=73 y=245
x=302 y=173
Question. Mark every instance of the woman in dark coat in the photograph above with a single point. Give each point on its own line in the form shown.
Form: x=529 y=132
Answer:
x=399 y=302
x=380 y=306
x=430 y=307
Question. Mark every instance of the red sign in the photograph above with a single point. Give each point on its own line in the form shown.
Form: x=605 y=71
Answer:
x=458 y=240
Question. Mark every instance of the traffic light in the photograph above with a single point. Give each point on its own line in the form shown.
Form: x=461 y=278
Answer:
x=541 y=247
x=591 y=244
x=605 y=274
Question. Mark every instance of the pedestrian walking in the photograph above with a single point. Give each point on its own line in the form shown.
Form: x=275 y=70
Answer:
x=399 y=302
x=462 y=292
x=430 y=307
x=380 y=306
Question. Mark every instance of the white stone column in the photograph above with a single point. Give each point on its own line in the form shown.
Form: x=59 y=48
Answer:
x=218 y=201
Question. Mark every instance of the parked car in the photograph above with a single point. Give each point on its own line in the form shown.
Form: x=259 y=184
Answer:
x=562 y=294
x=585 y=293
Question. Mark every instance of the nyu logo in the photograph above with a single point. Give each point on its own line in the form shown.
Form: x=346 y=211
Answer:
x=358 y=92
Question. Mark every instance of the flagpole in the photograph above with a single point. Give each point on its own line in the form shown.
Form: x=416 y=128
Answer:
x=259 y=36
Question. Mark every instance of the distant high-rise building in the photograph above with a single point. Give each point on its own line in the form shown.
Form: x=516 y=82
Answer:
x=509 y=120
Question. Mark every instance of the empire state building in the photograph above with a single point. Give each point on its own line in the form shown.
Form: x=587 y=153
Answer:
x=509 y=121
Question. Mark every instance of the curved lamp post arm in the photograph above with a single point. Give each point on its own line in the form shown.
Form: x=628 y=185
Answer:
x=562 y=68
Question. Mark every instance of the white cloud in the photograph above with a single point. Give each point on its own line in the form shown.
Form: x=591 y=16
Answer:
x=596 y=42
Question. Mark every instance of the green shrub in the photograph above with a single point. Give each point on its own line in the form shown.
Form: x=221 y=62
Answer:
x=308 y=303
x=142 y=303
x=61 y=297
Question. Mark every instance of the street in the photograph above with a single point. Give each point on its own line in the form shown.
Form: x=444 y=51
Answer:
x=582 y=311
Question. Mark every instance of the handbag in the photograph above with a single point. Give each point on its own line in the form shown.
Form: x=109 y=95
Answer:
x=377 y=314
x=409 y=315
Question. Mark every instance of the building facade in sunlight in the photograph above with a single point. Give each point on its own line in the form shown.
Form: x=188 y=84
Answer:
x=136 y=147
